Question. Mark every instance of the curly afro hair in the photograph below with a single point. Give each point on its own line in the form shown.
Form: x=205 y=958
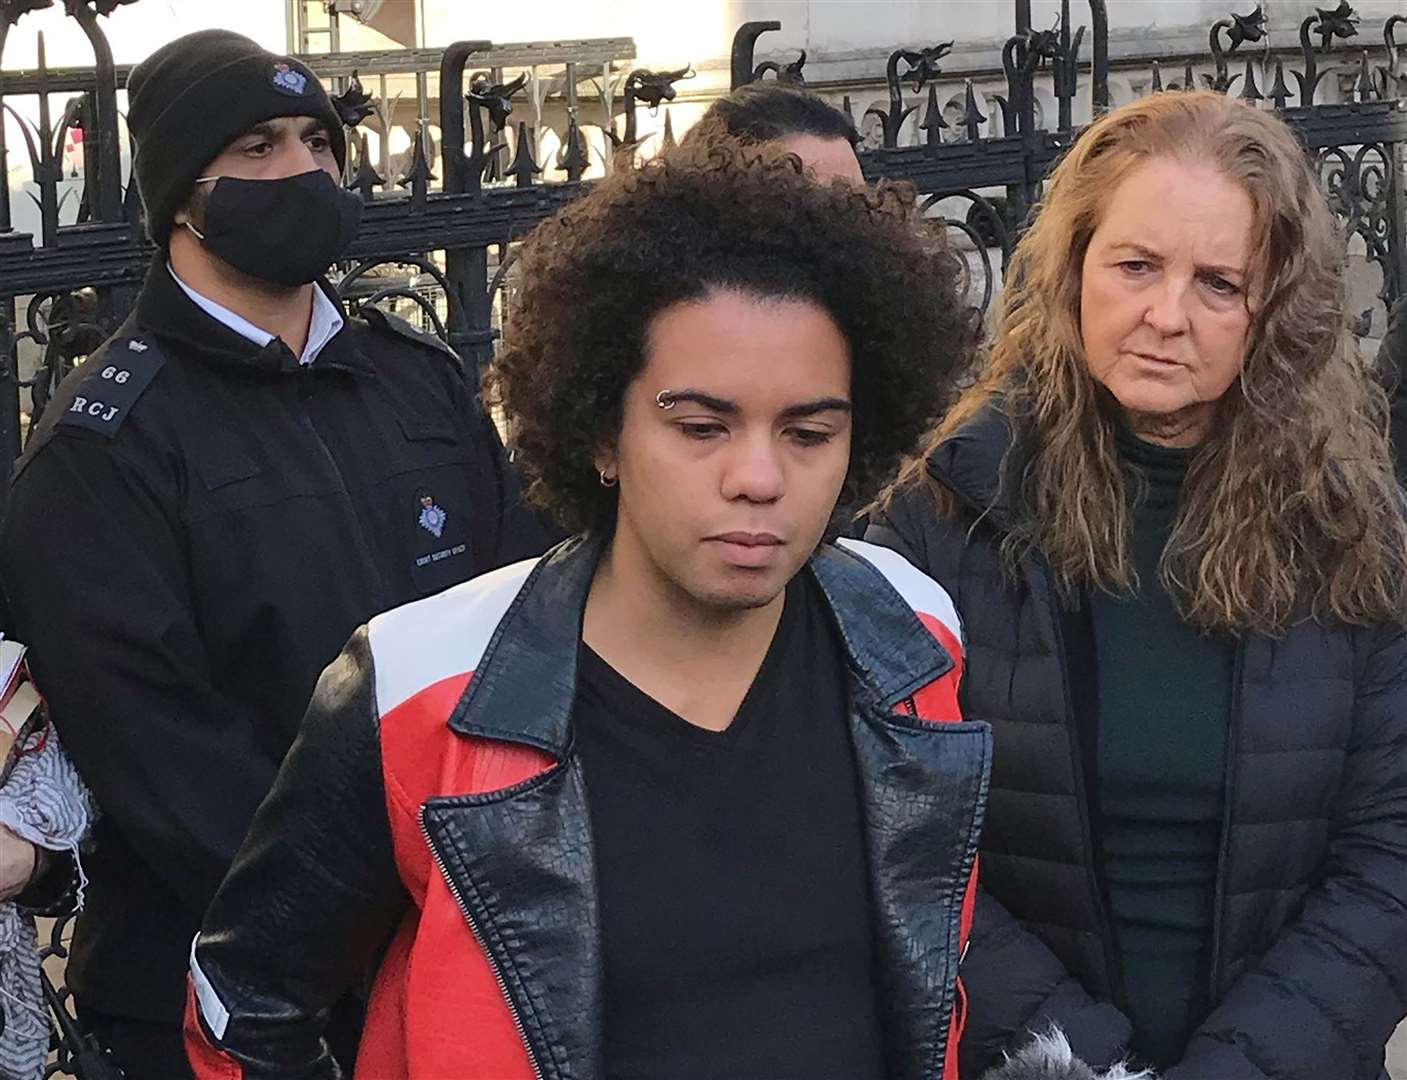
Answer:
x=713 y=215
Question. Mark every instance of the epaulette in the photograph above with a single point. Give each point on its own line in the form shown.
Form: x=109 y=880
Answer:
x=393 y=324
x=109 y=383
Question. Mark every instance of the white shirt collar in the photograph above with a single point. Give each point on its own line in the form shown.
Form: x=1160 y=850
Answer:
x=322 y=328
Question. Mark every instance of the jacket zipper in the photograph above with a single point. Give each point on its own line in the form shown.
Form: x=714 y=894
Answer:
x=1224 y=848
x=959 y=1002
x=1106 y=941
x=958 y=1005
x=478 y=937
x=304 y=392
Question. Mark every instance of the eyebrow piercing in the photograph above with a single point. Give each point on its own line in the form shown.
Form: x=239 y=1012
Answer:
x=665 y=399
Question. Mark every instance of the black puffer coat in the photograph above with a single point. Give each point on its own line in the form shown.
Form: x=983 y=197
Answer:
x=1309 y=971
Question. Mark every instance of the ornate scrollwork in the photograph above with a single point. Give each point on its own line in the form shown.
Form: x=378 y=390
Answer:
x=102 y=7
x=1329 y=23
x=790 y=73
x=67 y=327
x=651 y=88
x=984 y=227
x=1358 y=183
x=11 y=11
x=486 y=97
x=1238 y=29
x=922 y=66
x=353 y=104
x=75 y=1052
x=1393 y=77
x=1340 y=22
x=1027 y=53
x=353 y=296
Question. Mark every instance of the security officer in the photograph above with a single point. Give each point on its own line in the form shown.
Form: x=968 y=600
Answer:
x=216 y=499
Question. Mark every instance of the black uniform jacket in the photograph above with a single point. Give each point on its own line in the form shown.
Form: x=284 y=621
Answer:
x=196 y=528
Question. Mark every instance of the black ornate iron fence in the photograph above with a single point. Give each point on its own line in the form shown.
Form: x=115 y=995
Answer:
x=80 y=278
x=444 y=244
x=1359 y=142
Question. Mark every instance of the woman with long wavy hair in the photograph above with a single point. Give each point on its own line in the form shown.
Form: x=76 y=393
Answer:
x=1167 y=512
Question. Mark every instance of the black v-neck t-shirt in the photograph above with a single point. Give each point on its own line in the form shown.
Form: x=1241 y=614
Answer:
x=736 y=927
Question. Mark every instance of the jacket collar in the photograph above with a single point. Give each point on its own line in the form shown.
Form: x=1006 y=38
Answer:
x=889 y=652
x=525 y=685
x=981 y=463
x=521 y=860
x=165 y=310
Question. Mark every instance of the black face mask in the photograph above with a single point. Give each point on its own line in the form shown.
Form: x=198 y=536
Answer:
x=287 y=231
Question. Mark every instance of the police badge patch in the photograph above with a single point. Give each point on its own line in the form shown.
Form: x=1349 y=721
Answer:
x=289 y=80
x=437 y=560
x=432 y=518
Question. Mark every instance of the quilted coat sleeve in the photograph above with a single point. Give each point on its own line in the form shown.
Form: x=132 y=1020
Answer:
x=1016 y=987
x=312 y=896
x=1326 y=996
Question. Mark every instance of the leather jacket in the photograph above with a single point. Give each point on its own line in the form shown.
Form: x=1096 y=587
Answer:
x=434 y=801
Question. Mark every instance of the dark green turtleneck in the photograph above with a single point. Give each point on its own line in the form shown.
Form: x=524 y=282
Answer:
x=1164 y=707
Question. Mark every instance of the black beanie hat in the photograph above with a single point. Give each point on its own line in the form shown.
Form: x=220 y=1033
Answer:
x=194 y=96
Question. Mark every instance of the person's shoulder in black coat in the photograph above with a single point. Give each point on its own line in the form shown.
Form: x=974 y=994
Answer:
x=1018 y=991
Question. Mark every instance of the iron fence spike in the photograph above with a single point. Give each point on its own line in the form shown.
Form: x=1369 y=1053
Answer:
x=972 y=117
x=524 y=166
x=1249 y=90
x=1279 y=92
x=1365 y=80
x=933 y=122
